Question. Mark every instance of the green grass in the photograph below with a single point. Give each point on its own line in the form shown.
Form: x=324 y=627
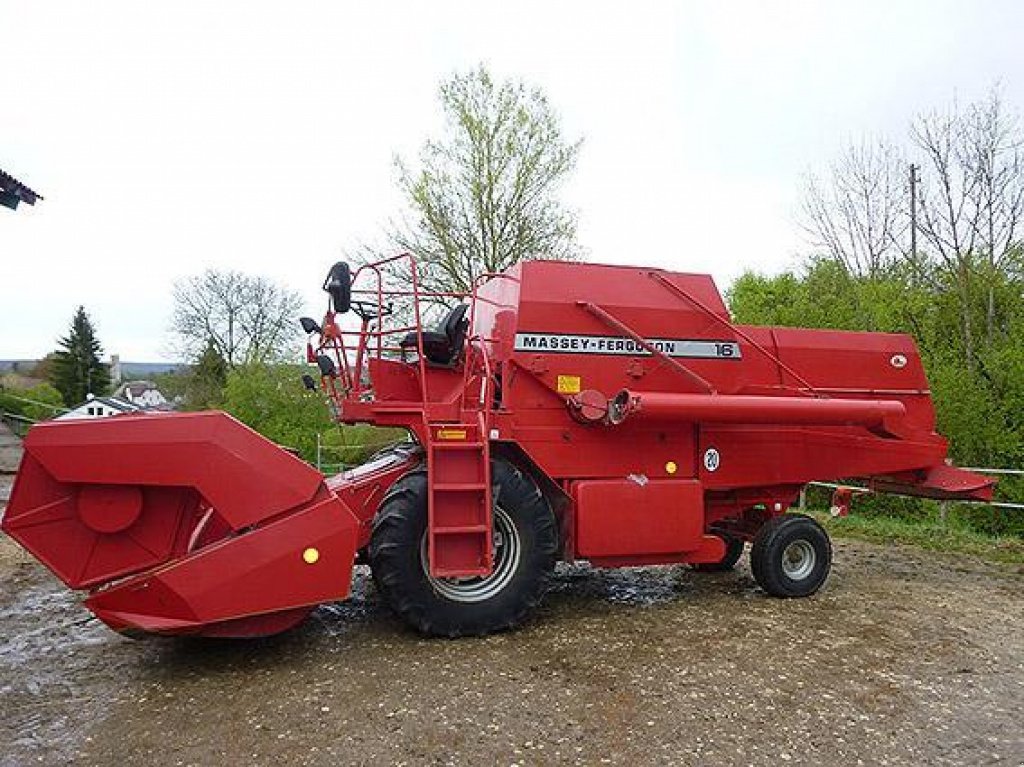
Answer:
x=926 y=534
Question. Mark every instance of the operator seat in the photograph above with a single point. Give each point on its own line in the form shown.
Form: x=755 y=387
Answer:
x=443 y=346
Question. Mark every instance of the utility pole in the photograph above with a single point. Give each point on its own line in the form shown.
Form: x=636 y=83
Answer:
x=914 y=181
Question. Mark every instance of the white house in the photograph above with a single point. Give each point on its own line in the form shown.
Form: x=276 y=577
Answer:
x=98 y=407
x=144 y=394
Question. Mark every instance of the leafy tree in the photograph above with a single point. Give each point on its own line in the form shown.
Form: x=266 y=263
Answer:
x=205 y=382
x=37 y=403
x=484 y=195
x=196 y=387
x=44 y=368
x=246 y=319
x=76 y=370
x=272 y=400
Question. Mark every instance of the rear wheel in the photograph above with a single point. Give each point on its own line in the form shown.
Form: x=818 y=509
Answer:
x=791 y=556
x=525 y=540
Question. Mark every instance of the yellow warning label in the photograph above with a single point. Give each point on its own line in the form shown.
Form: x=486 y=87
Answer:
x=451 y=434
x=568 y=384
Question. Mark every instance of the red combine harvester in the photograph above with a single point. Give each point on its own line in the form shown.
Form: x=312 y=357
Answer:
x=566 y=411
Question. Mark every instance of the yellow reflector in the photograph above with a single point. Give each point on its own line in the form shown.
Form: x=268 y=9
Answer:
x=310 y=556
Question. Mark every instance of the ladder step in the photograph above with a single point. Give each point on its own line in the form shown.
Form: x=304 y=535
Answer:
x=460 y=529
x=457 y=445
x=458 y=487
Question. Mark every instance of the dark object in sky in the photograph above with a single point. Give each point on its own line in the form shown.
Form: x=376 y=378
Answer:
x=13 y=191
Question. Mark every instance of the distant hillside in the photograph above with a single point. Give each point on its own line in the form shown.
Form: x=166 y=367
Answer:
x=132 y=370
x=129 y=370
x=17 y=366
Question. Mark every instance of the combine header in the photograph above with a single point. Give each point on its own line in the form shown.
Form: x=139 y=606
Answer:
x=560 y=411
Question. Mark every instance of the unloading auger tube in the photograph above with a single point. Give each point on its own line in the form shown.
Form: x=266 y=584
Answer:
x=558 y=411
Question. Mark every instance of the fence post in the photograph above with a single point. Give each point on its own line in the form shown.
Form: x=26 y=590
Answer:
x=943 y=511
x=803 y=498
x=319 y=461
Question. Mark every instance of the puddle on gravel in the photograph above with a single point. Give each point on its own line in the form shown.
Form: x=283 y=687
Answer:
x=53 y=656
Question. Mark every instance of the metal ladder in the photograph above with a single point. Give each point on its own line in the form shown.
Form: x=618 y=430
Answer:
x=459 y=499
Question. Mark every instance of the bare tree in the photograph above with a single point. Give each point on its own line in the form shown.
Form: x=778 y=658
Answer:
x=972 y=200
x=243 y=318
x=483 y=196
x=858 y=214
x=971 y=205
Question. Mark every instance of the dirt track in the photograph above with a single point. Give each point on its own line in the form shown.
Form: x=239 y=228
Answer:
x=904 y=658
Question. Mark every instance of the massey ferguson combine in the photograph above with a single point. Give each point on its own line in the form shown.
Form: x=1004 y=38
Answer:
x=560 y=411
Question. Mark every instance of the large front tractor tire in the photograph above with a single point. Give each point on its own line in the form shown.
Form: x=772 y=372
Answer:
x=791 y=556
x=525 y=544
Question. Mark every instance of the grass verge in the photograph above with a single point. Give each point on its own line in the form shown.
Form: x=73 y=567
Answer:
x=927 y=535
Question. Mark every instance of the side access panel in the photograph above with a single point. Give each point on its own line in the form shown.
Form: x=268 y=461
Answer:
x=638 y=517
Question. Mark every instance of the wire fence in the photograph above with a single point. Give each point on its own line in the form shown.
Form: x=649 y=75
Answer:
x=18 y=424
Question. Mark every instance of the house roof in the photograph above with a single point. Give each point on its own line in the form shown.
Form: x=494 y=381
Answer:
x=111 y=402
x=13 y=191
x=134 y=388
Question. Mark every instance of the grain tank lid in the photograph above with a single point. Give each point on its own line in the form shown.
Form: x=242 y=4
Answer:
x=646 y=288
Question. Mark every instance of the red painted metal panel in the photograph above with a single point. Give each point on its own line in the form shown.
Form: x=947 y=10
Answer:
x=766 y=456
x=223 y=459
x=101 y=499
x=263 y=571
x=637 y=517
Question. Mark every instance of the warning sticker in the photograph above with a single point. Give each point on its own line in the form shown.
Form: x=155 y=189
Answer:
x=568 y=384
x=571 y=343
x=455 y=434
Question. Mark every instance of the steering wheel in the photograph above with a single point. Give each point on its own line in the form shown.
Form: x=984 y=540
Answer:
x=367 y=310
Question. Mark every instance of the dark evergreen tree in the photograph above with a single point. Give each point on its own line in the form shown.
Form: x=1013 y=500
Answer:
x=76 y=370
x=205 y=387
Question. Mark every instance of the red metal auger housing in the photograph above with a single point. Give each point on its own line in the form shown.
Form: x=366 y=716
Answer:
x=559 y=411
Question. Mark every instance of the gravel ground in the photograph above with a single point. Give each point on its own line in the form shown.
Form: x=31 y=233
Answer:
x=906 y=657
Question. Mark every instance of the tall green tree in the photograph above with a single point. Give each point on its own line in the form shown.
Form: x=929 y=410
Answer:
x=484 y=195
x=76 y=370
x=205 y=382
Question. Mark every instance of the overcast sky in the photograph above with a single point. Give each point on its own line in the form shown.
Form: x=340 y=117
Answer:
x=172 y=137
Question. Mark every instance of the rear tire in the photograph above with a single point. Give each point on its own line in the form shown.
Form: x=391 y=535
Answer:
x=791 y=556
x=526 y=540
x=733 y=552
